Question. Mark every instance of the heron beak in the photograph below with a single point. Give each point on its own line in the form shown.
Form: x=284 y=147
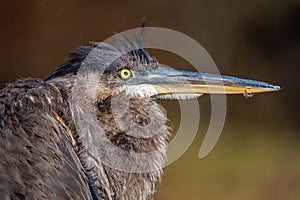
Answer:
x=168 y=81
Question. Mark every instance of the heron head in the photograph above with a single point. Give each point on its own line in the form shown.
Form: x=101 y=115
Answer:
x=137 y=74
x=128 y=68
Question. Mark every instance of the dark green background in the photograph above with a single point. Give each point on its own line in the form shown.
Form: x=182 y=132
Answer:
x=257 y=156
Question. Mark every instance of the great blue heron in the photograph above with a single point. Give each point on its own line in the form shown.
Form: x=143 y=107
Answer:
x=45 y=156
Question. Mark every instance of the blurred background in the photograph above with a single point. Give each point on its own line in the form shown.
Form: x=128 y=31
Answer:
x=257 y=156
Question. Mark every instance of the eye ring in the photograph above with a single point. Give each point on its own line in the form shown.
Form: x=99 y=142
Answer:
x=125 y=73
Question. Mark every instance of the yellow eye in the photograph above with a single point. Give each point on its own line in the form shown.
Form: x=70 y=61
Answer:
x=125 y=73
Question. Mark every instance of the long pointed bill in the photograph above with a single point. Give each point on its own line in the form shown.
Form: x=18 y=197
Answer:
x=168 y=81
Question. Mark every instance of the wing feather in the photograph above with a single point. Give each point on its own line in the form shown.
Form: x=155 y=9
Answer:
x=38 y=160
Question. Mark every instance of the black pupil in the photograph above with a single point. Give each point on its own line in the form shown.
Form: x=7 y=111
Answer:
x=126 y=73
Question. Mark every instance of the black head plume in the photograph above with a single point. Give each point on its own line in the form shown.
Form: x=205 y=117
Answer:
x=136 y=47
x=124 y=47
